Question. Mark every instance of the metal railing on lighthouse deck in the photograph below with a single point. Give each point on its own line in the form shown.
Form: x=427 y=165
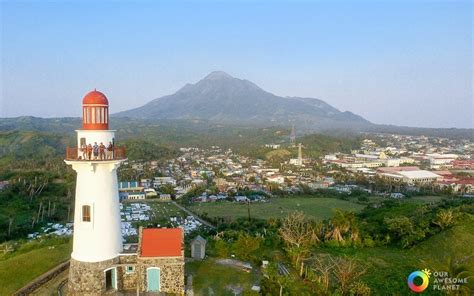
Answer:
x=84 y=154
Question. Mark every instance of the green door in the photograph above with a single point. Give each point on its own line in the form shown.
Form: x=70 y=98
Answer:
x=153 y=279
x=114 y=278
x=110 y=279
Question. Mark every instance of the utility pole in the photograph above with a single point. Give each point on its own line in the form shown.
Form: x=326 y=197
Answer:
x=248 y=208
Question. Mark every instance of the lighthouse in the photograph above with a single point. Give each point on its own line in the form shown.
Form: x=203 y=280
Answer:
x=100 y=264
x=97 y=240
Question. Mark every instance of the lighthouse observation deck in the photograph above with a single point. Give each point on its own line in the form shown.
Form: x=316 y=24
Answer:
x=83 y=154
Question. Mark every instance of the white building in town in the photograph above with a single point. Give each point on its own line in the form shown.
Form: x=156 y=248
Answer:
x=408 y=175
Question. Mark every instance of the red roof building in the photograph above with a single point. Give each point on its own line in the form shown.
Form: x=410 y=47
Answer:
x=464 y=164
x=161 y=242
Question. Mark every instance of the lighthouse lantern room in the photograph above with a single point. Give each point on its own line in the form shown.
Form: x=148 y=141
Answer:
x=95 y=111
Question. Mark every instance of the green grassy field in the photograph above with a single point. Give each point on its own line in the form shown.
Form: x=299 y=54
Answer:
x=389 y=267
x=210 y=278
x=18 y=270
x=426 y=199
x=315 y=208
x=414 y=199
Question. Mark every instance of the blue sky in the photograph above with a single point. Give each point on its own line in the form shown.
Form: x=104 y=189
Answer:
x=394 y=62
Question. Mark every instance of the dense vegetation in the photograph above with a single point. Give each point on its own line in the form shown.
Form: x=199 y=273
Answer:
x=347 y=253
x=32 y=199
x=29 y=260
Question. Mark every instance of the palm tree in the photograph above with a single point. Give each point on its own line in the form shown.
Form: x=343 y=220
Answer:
x=444 y=218
x=458 y=269
x=342 y=223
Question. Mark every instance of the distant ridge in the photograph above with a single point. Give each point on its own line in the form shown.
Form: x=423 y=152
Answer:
x=219 y=97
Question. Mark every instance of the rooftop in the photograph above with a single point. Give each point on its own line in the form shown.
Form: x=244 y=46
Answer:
x=161 y=242
x=421 y=174
x=95 y=98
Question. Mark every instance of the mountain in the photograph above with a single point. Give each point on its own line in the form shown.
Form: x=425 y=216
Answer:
x=220 y=97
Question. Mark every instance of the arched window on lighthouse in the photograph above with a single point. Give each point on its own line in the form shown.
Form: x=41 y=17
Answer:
x=86 y=213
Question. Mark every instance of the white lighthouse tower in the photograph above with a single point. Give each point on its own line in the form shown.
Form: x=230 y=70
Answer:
x=97 y=233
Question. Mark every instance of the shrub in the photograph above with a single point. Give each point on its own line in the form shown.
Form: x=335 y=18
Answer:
x=359 y=289
x=221 y=249
x=369 y=242
x=332 y=243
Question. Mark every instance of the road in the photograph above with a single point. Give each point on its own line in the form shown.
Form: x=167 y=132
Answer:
x=194 y=215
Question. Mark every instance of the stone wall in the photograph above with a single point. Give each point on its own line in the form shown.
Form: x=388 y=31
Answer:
x=86 y=278
x=129 y=281
x=171 y=273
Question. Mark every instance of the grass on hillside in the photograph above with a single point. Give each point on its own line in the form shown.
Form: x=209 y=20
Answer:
x=315 y=208
x=389 y=267
x=426 y=199
x=19 y=268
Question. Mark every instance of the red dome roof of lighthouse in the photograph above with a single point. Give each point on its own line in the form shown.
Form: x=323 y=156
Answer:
x=95 y=97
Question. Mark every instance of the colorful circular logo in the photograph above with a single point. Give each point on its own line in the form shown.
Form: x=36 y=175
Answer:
x=411 y=281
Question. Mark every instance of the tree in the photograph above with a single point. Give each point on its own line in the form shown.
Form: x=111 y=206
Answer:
x=343 y=222
x=299 y=235
x=246 y=245
x=167 y=189
x=444 y=218
x=321 y=272
x=402 y=228
x=273 y=274
x=347 y=272
x=221 y=248
x=459 y=269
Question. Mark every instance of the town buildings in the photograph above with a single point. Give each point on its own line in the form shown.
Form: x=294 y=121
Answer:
x=409 y=162
x=408 y=175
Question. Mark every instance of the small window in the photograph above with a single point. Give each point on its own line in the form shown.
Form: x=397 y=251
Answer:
x=130 y=269
x=86 y=213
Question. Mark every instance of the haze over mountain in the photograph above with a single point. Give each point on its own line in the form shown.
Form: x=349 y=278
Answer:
x=222 y=98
